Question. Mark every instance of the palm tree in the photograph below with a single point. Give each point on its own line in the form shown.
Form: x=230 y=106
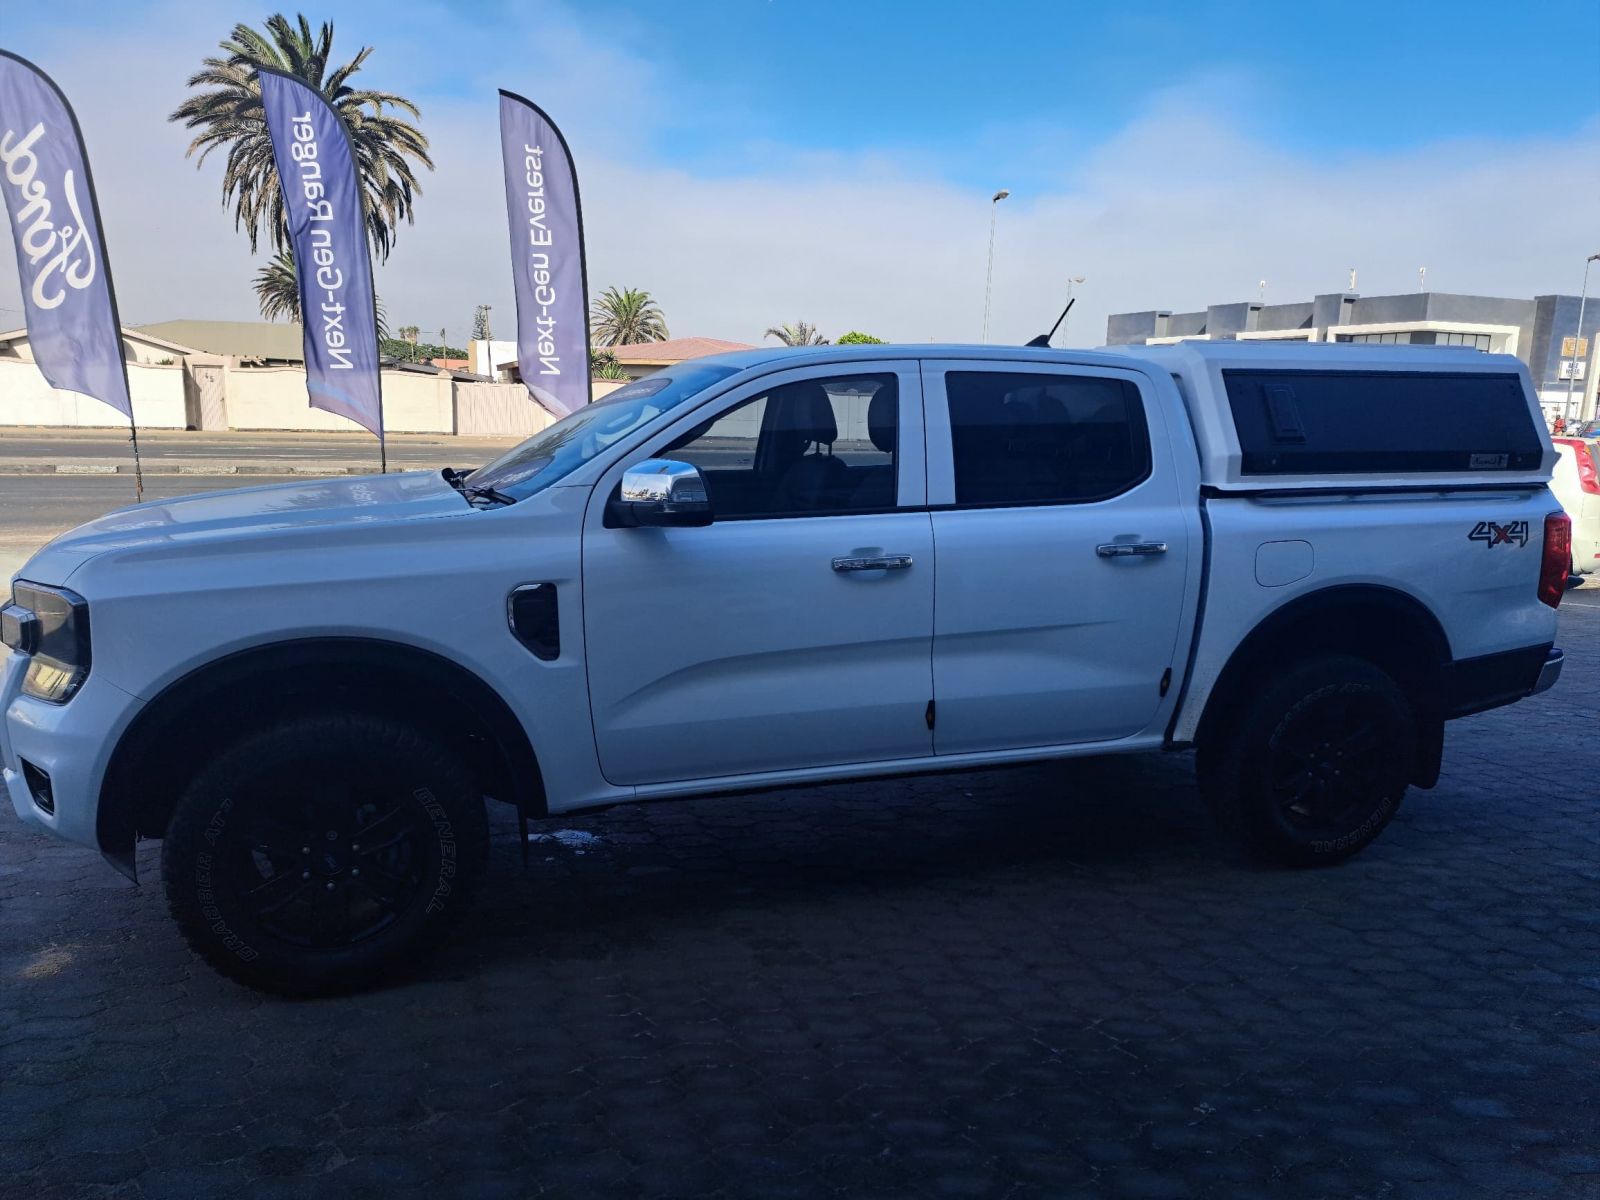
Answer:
x=277 y=289
x=604 y=365
x=626 y=317
x=801 y=333
x=228 y=114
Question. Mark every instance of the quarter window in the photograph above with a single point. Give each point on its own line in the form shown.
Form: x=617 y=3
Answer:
x=1029 y=438
x=814 y=447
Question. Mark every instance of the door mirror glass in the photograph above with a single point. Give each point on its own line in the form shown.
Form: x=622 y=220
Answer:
x=661 y=492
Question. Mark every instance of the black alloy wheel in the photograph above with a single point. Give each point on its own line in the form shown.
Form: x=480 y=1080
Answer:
x=1312 y=762
x=324 y=853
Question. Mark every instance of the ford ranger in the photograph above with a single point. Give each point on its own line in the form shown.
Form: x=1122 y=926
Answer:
x=789 y=566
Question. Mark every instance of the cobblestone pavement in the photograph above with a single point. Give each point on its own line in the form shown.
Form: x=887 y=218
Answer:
x=1051 y=981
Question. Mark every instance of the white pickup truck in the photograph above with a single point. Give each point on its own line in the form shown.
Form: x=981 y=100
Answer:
x=790 y=566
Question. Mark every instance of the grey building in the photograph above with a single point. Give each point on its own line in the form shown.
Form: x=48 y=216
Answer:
x=1542 y=332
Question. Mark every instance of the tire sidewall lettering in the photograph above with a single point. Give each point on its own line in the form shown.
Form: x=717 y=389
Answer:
x=445 y=832
x=205 y=888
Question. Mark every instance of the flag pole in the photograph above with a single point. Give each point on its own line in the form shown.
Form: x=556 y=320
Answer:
x=138 y=467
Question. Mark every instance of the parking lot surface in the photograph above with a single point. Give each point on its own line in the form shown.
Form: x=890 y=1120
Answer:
x=1052 y=981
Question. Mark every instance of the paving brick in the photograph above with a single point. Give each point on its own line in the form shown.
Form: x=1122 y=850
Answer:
x=1050 y=981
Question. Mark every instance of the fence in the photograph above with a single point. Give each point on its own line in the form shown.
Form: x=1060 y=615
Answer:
x=26 y=399
x=216 y=395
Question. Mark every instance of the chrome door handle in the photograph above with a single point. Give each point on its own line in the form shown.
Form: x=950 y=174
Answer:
x=875 y=562
x=1129 y=549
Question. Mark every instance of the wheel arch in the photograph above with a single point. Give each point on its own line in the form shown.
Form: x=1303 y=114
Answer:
x=1388 y=627
x=200 y=712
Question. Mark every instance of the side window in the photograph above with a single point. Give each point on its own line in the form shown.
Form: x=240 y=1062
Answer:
x=1034 y=438
x=820 y=446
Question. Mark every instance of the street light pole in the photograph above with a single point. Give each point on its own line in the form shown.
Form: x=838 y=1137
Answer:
x=1577 y=341
x=988 y=286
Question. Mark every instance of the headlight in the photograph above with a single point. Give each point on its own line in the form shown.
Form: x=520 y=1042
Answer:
x=52 y=625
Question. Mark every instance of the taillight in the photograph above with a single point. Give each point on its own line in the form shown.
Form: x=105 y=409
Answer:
x=1557 y=562
x=1588 y=476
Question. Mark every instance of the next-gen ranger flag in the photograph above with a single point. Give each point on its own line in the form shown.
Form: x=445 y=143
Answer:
x=328 y=234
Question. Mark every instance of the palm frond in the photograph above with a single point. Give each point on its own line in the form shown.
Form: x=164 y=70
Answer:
x=801 y=333
x=621 y=318
x=226 y=114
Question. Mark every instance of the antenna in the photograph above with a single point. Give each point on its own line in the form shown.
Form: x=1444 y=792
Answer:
x=1044 y=338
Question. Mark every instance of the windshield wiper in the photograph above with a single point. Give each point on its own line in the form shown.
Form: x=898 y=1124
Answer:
x=473 y=493
x=486 y=492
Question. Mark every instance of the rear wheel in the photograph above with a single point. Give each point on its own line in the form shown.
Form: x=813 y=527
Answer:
x=1315 y=762
x=323 y=854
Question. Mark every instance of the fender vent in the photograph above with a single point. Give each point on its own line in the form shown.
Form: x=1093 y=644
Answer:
x=535 y=614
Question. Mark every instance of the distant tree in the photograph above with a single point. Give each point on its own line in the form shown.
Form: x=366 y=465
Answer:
x=856 y=338
x=604 y=365
x=626 y=318
x=277 y=289
x=420 y=352
x=801 y=333
x=225 y=111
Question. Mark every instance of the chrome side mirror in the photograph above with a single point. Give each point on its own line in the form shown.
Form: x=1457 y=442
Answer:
x=661 y=492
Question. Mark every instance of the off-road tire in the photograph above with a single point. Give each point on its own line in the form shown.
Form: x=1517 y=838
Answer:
x=1313 y=763
x=314 y=783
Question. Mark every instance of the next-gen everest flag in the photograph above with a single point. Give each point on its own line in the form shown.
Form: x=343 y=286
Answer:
x=328 y=235
x=70 y=311
x=546 y=256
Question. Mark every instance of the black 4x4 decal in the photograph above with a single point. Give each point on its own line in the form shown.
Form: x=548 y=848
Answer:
x=1492 y=534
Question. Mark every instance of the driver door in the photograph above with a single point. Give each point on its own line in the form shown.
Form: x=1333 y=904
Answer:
x=751 y=645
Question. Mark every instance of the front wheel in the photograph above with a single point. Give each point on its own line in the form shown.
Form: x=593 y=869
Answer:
x=1314 y=764
x=324 y=853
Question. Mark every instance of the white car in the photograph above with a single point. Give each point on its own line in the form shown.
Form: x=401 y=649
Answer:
x=789 y=566
x=1576 y=484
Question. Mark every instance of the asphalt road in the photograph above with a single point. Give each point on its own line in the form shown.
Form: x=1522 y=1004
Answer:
x=1045 y=982
x=405 y=449
x=34 y=508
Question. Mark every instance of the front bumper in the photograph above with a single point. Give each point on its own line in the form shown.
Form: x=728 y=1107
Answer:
x=71 y=743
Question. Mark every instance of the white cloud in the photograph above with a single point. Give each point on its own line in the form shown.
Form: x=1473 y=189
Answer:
x=1183 y=206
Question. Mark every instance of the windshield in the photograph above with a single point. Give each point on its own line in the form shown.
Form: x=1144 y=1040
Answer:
x=558 y=451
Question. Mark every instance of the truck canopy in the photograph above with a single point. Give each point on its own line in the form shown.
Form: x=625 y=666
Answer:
x=1276 y=416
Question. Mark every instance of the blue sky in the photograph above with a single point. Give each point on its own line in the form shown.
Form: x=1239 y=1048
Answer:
x=926 y=77
x=759 y=161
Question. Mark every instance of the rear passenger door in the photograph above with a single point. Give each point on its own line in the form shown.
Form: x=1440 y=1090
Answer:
x=1062 y=544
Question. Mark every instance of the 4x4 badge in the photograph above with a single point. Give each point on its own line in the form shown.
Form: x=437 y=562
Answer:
x=1492 y=534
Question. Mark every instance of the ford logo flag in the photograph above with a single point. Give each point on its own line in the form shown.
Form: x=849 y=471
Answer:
x=71 y=314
